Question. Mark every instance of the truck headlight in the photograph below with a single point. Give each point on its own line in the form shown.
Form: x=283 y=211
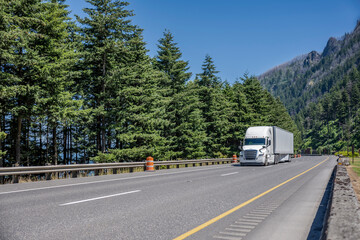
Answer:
x=261 y=154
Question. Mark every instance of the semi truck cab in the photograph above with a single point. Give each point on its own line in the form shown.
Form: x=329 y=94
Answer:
x=265 y=145
x=257 y=146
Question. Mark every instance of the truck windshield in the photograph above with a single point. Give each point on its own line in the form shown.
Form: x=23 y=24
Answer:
x=255 y=141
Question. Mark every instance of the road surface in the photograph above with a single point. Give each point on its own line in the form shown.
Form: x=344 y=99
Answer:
x=212 y=202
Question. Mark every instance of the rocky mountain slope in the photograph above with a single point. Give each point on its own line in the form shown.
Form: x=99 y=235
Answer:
x=306 y=78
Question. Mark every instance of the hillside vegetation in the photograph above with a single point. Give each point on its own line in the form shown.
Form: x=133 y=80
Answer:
x=87 y=90
x=321 y=92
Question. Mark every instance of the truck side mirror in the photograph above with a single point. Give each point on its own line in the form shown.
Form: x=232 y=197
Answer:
x=241 y=145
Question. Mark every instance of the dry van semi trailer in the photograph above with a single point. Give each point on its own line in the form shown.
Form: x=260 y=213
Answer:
x=266 y=145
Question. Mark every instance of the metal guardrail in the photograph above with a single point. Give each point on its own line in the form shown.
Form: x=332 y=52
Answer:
x=74 y=169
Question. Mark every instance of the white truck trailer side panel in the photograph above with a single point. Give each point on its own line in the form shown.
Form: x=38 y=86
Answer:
x=283 y=141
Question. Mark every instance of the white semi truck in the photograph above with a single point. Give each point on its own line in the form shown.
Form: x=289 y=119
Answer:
x=265 y=145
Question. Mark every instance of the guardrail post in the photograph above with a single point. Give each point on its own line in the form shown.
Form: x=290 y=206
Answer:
x=74 y=174
x=15 y=178
x=234 y=159
x=48 y=175
x=149 y=164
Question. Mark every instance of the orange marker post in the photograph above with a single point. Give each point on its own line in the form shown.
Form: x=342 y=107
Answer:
x=234 y=159
x=149 y=164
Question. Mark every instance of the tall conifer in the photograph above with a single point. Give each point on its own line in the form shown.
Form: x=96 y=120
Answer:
x=105 y=30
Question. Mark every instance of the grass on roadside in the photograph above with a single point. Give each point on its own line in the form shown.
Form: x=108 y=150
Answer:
x=356 y=165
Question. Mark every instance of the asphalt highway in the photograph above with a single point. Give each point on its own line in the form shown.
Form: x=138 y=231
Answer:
x=212 y=202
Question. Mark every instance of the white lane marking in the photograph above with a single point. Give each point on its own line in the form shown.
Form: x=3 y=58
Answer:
x=257 y=215
x=238 y=230
x=250 y=220
x=242 y=226
x=267 y=208
x=246 y=223
x=228 y=238
x=261 y=212
x=269 y=166
x=227 y=174
x=251 y=217
x=109 y=180
x=97 y=198
x=234 y=234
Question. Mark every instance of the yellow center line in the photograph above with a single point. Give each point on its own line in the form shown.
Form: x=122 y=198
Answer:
x=215 y=219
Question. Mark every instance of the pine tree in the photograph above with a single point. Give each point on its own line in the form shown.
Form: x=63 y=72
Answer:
x=189 y=134
x=217 y=110
x=208 y=77
x=34 y=63
x=256 y=98
x=169 y=61
x=105 y=31
x=241 y=118
x=139 y=109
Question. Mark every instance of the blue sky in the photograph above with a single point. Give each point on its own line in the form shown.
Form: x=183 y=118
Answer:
x=241 y=35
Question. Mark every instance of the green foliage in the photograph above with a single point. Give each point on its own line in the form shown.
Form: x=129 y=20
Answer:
x=87 y=90
x=332 y=122
x=2 y=138
x=321 y=91
x=347 y=154
x=104 y=158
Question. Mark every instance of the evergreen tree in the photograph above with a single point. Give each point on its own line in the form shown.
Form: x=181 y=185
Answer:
x=241 y=117
x=169 y=61
x=255 y=96
x=217 y=110
x=189 y=134
x=208 y=77
x=139 y=110
x=105 y=31
x=35 y=63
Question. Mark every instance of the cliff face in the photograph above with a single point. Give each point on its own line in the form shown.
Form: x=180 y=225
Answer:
x=307 y=77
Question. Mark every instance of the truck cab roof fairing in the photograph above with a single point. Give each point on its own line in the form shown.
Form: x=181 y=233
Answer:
x=258 y=132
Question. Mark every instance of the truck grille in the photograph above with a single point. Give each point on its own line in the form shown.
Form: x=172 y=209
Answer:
x=250 y=154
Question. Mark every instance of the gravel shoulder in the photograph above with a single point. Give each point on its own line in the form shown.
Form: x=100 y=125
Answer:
x=355 y=181
x=344 y=219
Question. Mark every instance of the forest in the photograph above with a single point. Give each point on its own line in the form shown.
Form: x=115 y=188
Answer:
x=85 y=90
x=333 y=122
x=321 y=92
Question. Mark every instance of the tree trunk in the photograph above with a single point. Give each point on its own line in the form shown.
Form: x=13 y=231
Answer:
x=27 y=135
x=47 y=144
x=70 y=144
x=65 y=144
x=103 y=140
x=18 y=142
x=55 y=151
x=1 y=158
x=117 y=143
x=41 y=145
x=77 y=145
x=98 y=136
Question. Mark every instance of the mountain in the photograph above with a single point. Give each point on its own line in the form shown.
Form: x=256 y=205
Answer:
x=308 y=77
